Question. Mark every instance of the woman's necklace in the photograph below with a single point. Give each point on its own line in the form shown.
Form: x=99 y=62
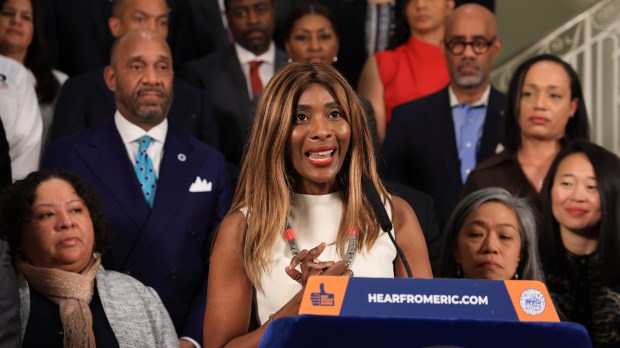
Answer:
x=291 y=238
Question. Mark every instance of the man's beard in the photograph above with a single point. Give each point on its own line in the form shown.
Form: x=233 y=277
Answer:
x=468 y=81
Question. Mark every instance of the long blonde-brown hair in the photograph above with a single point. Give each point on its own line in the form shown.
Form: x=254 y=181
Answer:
x=266 y=179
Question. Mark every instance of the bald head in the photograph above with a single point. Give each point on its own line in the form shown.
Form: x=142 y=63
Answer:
x=134 y=14
x=472 y=13
x=470 y=46
x=140 y=75
x=134 y=37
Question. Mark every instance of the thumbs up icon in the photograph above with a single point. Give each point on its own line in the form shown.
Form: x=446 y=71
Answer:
x=322 y=298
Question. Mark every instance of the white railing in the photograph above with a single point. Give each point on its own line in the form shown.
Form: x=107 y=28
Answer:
x=590 y=42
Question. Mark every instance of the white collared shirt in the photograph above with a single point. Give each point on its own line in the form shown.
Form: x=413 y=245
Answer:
x=130 y=133
x=20 y=117
x=265 y=70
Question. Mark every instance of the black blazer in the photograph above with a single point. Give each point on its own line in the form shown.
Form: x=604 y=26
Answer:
x=423 y=206
x=85 y=101
x=78 y=38
x=420 y=147
x=220 y=75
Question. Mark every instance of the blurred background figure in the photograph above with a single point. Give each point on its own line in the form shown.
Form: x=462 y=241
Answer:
x=491 y=235
x=434 y=142
x=311 y=34
x=545 y=110
x=22 y=38
x=56 y=230
x=580 y=244
x=414 y=66
x=235 y=76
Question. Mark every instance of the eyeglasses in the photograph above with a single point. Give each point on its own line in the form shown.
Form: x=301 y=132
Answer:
x=478 y=45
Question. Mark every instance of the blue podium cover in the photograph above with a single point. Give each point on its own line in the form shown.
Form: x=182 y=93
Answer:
x=314 y=331
x=426 y=313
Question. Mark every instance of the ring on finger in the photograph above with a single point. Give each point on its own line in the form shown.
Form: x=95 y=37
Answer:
x=316 y=261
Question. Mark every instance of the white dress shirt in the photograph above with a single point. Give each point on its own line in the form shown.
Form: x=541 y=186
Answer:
x=21 y=117
x=265 y=70
x=130 y=133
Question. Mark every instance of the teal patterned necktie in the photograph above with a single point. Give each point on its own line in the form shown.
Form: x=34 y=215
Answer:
x=145 y=170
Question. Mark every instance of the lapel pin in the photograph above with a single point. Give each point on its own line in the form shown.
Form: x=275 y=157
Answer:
x=182 y=157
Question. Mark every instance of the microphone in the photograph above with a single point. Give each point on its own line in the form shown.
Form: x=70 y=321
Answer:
x=384 y=220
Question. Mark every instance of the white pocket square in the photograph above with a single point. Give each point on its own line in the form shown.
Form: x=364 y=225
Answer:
x=201 y=185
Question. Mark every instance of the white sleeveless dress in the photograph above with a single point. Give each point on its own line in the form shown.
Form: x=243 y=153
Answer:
x=316 y=219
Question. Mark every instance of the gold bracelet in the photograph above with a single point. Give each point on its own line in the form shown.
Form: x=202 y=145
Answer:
x=270 y=318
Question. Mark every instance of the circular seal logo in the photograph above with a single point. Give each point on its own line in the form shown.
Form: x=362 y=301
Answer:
x=532 y=301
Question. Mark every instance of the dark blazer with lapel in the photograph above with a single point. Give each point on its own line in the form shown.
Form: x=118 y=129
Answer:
x=220 y=75
x=420 y=147
x=10 y=320
x=166 y=247
x=85 y=101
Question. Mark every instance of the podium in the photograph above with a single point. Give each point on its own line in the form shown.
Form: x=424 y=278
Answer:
x=374 y=312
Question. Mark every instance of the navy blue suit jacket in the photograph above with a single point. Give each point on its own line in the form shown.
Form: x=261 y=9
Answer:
x=85 y=101
x=420 y=147
x=165 y=247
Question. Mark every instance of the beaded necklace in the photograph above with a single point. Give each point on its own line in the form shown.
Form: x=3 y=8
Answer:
x=291 y=238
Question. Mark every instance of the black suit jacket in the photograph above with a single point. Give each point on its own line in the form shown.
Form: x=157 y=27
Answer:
x=85 y=101
x=420 y=147
x=10 y=320
x=78 y=38
x=220 y=75
x=423 y=206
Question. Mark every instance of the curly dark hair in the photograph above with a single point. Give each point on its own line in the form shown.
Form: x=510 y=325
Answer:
x=16 y=206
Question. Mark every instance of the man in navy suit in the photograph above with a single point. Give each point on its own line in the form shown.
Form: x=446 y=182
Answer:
x=434 y=142
x=85 y=100
x=164 y=243
x=227 y=74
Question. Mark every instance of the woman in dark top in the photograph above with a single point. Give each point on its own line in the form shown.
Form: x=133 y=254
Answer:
x=545 y=110
x=580 y=243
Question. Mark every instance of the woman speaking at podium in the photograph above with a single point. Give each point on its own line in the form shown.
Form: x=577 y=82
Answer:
x=299 y=209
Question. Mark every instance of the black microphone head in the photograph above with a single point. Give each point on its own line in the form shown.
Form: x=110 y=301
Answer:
x=377 y=205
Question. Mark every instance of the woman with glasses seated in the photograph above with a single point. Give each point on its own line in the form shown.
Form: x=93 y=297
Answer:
x=545 y=111
x=414 y=65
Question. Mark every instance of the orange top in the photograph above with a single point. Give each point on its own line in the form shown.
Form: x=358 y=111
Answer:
x=411 y=71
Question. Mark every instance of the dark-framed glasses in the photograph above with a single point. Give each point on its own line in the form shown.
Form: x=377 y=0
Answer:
x=479 y=45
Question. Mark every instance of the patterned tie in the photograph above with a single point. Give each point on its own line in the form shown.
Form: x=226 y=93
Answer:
x=145 y=170
x=257 y=84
